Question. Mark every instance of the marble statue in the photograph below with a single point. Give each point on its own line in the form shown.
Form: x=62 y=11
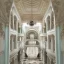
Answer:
x=32 y=51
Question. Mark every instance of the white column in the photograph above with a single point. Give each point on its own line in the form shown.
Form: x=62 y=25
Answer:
x=6 y=44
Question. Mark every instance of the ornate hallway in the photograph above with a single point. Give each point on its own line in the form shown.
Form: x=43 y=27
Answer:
x=31 y=32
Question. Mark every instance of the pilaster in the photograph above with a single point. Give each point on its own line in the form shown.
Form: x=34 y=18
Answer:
x=58 y=45
x=6 y=43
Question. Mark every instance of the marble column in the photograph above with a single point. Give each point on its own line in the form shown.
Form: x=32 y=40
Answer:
x=6 y=44
x=58 y=45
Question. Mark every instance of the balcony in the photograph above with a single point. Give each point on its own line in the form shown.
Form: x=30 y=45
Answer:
x=20 y=34
x=49 y=51
x=51 y=32
x=14 y=32
x=43 y=34
x=13 y=53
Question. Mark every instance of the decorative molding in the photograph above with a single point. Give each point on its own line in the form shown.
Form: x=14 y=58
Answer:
x=62 y=32
x=5 y=7
x=39 y=9
x=56 y=6
x=1 y=30
x=8 y=5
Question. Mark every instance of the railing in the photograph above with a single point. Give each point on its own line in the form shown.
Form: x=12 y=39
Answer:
x=35 y=62
x=31 y=45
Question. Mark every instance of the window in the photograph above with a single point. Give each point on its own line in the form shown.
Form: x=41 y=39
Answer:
x=49 y=42
x=15 y=22
x=10 y=43
x=48 y=22
x=11 y=21
x=52 y=20
x=14 y=41
x=53 y=44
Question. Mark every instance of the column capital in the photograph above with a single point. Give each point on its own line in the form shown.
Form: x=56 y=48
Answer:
x=62 y=32
x=7 y=24
x=1 y=30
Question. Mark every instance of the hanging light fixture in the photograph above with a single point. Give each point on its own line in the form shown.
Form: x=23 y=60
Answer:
x=31 y=21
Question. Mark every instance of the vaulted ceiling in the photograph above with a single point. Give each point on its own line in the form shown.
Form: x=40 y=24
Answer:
x=38 y=8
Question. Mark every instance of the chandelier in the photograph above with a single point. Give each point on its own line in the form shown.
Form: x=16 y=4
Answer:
x=31 y=21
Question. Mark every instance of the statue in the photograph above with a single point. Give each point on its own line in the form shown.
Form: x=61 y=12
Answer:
x=32 y=51
x=32 y=42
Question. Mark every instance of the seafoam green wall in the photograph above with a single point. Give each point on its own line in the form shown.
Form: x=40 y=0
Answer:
x=2 y=58
x=58 y=45
x=6 y=45
x=62 y=43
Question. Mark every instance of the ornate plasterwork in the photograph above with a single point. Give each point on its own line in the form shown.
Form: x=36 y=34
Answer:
x=59 y=14
x=56 y=5
x=62 y=31
x=39 y=8
x=1 y=30
x=5 y=6
x=8 y=5
x=58 y=9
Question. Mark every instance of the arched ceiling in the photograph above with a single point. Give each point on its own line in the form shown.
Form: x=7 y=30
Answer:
x=38 y=7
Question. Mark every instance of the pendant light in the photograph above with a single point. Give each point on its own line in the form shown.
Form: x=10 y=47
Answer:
x=31 y=21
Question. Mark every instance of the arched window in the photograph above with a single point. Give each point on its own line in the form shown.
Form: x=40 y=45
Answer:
x=32 y=32
x=53 y=43
x=14 y=41
x=15 y=22
x=52 y=20
x=49 y=42
x=48 y=22
x=10 y=43
x=11 y=20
